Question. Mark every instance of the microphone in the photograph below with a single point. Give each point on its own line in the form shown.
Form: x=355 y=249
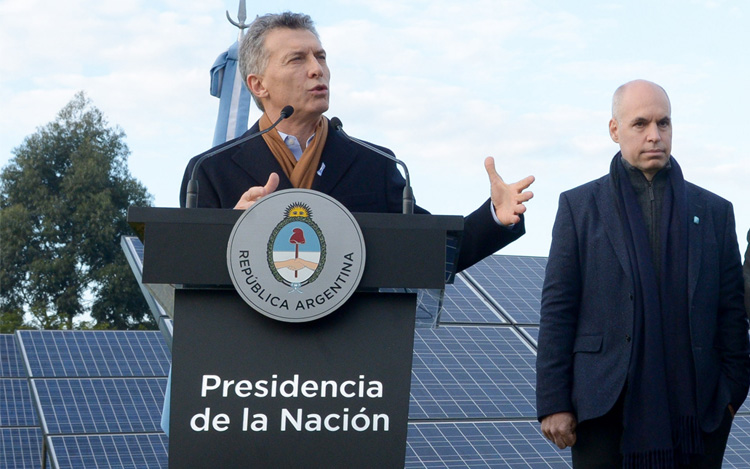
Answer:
x=192 y=187
x=408 y=197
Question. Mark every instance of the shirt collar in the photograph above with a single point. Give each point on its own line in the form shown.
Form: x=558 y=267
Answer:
x=293 y=144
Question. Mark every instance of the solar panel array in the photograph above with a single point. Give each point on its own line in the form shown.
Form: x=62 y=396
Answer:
x=513 y=283
x=471 y=373
x=480 y=444
x=473 y=377
x=98 y=394
x=20 y=435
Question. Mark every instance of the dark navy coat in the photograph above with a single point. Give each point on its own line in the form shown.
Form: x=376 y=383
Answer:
x=587 y=309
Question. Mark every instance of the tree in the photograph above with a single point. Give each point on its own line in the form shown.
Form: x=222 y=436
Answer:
x=63 y=203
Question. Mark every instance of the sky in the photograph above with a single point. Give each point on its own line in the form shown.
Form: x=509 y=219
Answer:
x=442 y=83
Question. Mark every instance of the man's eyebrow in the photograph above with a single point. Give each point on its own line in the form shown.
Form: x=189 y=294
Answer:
x=293 y=53
x=643 y=120
x=301 y=52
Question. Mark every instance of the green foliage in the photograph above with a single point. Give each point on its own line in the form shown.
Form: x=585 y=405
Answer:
x=63 y=205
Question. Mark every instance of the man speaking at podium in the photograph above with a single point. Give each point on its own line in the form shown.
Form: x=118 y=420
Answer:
x=284 y=64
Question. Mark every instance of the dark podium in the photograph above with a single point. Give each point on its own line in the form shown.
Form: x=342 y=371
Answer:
x=250 y=391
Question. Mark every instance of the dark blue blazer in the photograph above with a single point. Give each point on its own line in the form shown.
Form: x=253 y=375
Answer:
x=587 y=307
x=746 y=272
x=360 y=179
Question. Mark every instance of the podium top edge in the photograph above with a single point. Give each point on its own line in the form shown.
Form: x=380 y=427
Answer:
x=138 y=217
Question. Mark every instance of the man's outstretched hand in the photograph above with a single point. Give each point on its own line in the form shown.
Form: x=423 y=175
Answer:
x=507 y=199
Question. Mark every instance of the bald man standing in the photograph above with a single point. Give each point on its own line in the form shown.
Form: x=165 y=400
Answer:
x=643 y=346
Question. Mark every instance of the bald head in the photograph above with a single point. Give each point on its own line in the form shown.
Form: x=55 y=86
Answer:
x=642 y=125
x=636 y=86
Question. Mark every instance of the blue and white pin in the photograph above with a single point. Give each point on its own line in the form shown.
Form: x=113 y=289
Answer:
x=696 y=220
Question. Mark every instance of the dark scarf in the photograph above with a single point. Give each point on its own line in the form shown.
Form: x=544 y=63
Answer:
x=661 y=427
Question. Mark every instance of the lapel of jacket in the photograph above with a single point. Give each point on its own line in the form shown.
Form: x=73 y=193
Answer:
x=609 y=212
x=256 y=159
x=697 y=224
x=338 y=155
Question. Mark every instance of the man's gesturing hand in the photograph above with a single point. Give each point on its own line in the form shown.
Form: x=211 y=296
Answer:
x=507 y=199
x=256 y=192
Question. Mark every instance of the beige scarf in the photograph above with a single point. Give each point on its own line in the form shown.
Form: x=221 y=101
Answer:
x=301 y=173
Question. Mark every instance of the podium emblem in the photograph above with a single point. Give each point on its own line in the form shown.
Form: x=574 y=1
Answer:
x=297 y=248
x=296 y=255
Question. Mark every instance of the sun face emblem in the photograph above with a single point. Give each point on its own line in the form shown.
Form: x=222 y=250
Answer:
x=297 y=210
x=296 y=249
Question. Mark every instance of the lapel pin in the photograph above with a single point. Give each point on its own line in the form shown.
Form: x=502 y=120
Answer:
x=696 y=220
x=322 y=167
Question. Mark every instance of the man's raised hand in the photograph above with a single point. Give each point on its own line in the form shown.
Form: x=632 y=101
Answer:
x=256 y=192
x=507 y=199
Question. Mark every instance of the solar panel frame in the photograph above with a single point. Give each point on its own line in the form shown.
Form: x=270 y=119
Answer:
x=532 y=333
x=133 y=249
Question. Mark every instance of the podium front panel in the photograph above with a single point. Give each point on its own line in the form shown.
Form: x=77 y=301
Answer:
x=249 y=391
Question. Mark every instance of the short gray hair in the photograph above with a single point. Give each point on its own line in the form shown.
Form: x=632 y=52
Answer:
x=253 y=54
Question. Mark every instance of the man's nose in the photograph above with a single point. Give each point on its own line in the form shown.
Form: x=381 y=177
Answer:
x=315 y=68
x=653 y=132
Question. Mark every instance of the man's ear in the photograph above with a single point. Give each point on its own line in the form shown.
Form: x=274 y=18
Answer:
x=256 y=87
x=613 y=130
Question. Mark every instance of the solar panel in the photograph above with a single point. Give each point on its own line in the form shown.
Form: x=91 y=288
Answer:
x=101 y=405
x=518 y=444
x=481 y=444
x=532 y=333
x=54 y=354
x=737 y=453
x=105 y=382
x=10 y=362
x=463 y=304
x=514 y=283
x=21 y=448
x=471 y=372
x=160 y=298
x=16 y=407
x=109 y=451
x=136 y=246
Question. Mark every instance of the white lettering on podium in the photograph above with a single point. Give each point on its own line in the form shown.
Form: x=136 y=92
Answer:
x=259 y=423
x=312 y=422
x=200 y=422
x=292 y=387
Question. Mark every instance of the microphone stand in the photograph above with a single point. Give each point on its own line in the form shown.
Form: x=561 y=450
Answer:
x=192 y=187
x=408 y=196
